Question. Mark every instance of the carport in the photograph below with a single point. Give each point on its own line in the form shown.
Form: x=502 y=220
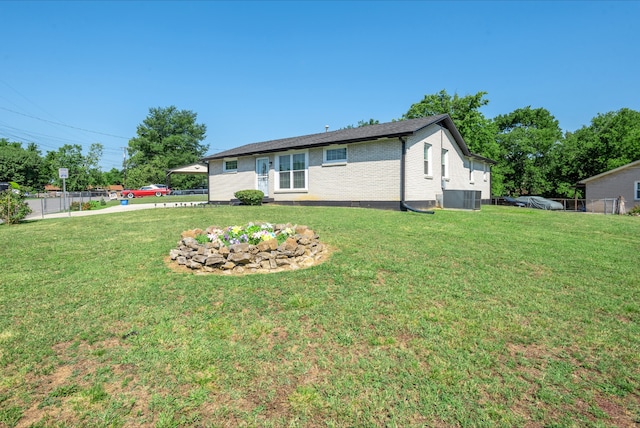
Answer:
x=197 y=168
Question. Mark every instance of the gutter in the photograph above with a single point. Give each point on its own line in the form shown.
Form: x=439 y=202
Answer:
x=403 y=159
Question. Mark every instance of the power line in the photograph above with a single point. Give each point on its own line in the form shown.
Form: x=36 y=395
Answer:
x=63 y=124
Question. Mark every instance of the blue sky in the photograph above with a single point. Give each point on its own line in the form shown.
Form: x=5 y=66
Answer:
x=85 y=72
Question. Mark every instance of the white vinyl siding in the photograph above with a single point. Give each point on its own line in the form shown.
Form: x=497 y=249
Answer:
x=292 y=171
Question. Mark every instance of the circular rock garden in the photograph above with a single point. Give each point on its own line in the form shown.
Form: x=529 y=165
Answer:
x=253 y=248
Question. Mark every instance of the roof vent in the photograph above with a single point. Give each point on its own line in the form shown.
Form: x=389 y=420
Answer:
x=326 y=128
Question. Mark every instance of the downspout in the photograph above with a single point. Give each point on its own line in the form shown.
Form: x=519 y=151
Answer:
x=403 y=159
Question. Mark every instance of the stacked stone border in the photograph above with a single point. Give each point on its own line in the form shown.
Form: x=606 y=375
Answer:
x=301 y=250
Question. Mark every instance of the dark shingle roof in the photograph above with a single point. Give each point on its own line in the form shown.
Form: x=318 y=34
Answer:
x=345 y=136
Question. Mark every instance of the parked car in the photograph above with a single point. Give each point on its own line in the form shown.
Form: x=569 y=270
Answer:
x=196 y=191
x=508 y=200
x=151 y=190
x=540 y=203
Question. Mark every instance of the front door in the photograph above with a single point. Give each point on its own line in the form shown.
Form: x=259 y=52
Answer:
x=262 y=174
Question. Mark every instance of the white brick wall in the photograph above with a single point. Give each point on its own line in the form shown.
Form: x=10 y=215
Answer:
x=223 y=185
x=371 y=173
x=422 y=187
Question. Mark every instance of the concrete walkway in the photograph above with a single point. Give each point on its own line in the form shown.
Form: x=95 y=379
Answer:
x=114 y=209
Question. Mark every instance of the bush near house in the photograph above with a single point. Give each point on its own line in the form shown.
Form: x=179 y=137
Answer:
x=250 y=197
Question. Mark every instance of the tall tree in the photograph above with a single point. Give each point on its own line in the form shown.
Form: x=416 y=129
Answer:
x=23 y=166
x=478 y=131
x=527 y=138
x=113 y=176
x=611 y=140
x=84 y=171
x=166 y=139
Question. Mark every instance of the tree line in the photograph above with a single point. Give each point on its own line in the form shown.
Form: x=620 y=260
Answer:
x=532 y=154
x=167 y=138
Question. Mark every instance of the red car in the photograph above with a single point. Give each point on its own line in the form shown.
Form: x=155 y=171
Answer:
x=152 y=190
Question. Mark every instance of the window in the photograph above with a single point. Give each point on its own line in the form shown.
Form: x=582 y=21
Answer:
x=637 y=191
x=445 y=163
x=427 y=160
x=485 y=171
x=470 y=171
x=335 y=155
x=292 y=171
x=230 y=165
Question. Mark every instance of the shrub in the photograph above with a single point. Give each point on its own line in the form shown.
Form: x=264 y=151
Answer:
x=635 y=211
x=250 y=197
x=13 y=207
x=85 y=206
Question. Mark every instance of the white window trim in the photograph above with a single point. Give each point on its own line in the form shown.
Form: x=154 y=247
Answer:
x=428 y=148
x=444 y=161
x=277 y=172
x=636 y=191
x=224 y=165
x=326 y=162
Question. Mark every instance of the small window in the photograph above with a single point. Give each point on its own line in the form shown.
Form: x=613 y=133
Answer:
x=230 y=165
x=485 y=171
x=427 y=160
x=445 y=163
x=470 y=171
x=335 y=155
x=637 y=192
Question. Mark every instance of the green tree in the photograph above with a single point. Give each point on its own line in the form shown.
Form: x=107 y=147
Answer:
x=527 y=138
x=362 y=123
x=84 y=171
x=113 y=176
x=611 y=140
x=166 y=139
x=478 y=131
x=24 y=166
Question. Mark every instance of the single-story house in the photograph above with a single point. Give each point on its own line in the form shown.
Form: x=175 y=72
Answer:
x=396 y=165
x=602 y=189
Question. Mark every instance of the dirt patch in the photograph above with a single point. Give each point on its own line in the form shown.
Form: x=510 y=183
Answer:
x=62 y=395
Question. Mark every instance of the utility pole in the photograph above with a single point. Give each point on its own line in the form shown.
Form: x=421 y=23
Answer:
x=124 y=167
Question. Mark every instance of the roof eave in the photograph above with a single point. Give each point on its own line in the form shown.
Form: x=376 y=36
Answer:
x=226 y=154
x=611 y=171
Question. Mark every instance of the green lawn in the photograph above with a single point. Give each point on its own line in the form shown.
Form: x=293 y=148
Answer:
x=503 y=317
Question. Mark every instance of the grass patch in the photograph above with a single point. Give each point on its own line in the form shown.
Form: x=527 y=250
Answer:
x=506 y=317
